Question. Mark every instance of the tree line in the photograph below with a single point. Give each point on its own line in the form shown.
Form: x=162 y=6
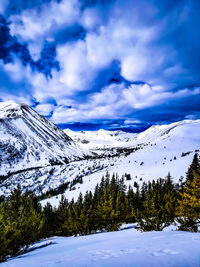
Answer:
x=154 y=206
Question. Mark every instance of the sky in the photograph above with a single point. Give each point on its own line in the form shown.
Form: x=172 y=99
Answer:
x=91 y=64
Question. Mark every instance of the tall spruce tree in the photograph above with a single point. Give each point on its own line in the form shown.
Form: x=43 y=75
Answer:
x=131 y=201
x=188 y=211
x=195 y=165
x=159 y=205
x=60 y=226
x=50 y=225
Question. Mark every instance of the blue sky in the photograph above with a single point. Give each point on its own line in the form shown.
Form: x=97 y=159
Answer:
x=90 y=64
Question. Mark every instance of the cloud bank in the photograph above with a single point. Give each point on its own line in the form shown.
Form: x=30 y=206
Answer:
x=108 y=63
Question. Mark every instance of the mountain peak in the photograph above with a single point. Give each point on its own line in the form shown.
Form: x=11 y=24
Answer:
x=10 y=109
x=29 y=140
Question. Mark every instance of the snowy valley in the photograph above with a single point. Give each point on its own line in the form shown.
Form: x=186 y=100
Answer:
x=39 y=156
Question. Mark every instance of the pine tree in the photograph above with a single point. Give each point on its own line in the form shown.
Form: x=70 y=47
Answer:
x=121 y=207
x=61 y=217
x=158 y=209
x=50 y=224
x=4 y=241
x=195 y=165
x=19 y=215
x=188 y=211
x=87 y=218
x=130 y=199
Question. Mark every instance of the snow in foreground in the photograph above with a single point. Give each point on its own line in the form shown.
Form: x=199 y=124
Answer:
x=123 y=248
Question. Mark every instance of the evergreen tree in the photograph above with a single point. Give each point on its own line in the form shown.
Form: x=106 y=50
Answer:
x=188 y=211
x=87 y=216
x=131 y=201
x=61 y=217
x=158 y=206
x=50 y=224
x=21 y=222
x=195 y=165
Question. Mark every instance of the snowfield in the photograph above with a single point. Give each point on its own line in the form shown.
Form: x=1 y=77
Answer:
x=123 y=248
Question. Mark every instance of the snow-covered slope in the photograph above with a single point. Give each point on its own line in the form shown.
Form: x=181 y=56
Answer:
x=182 y=129
x=28 y=140
x=103 y=139
x=146 y=156
x=123 y=248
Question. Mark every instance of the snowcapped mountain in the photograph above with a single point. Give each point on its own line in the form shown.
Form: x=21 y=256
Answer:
x=41 y=157
x=28 y=140
x=101 y=139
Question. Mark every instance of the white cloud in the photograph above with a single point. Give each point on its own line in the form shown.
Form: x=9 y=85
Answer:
x=76 y=73
x=125 y=35
x=17 y=71
x=44 y=109
x=108 y=95
x=131 y=122
x=91 y=18
x=69 y=115
x=63 y=114
x=43 y=88
x=34 y=23
x=20 y=98
x=117 y=102
x=40 y=87
x=122 y=37
x=139 y=97
x=128 y=42
x=100 y=49
x=134 y=66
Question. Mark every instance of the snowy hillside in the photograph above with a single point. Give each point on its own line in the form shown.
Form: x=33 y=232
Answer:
x=123 y=248
x=146 y=156
x=29 y=140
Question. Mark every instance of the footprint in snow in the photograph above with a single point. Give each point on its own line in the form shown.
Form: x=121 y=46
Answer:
x=196 y=238
x=104 y=254
x=164 y=252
